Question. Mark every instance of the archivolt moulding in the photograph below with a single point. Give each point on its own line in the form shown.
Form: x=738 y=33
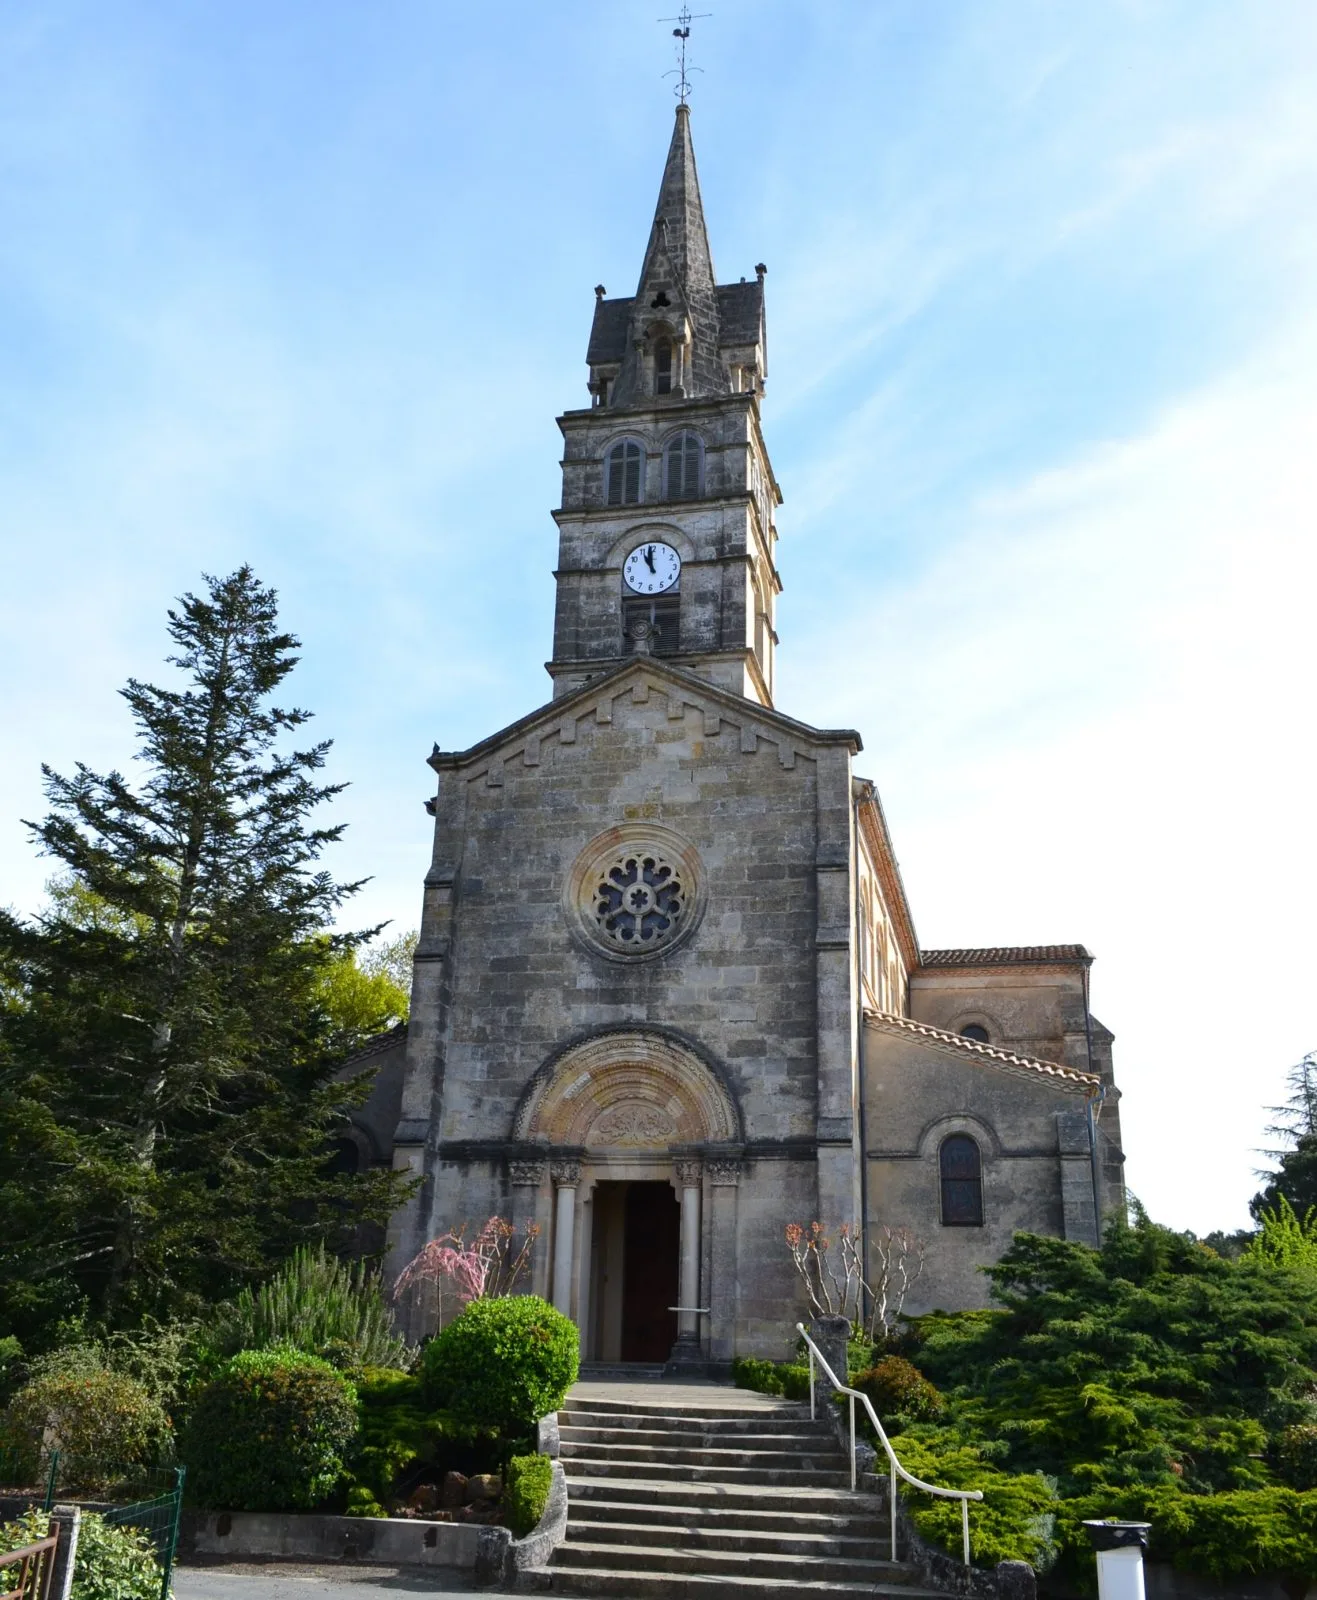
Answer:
x=627 y=1091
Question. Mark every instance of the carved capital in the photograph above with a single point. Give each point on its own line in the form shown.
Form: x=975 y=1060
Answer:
x=688 y=1173
x=566 y=1173
x=528 y=1171
x=724 y=1169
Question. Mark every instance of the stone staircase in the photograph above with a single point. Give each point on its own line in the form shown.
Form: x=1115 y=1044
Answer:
x=679 y=1499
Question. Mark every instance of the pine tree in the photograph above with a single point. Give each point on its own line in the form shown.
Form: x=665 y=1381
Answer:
x=1295 y=1177
x=167 y=1087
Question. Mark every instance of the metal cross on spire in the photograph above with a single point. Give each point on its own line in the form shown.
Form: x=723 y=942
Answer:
x=681 y=33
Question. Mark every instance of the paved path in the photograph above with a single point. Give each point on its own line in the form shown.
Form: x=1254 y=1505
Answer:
x=290 y=1581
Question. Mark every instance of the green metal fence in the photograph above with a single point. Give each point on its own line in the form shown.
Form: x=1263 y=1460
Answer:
x=156 y=1512
x=149 y=1499
x=34 y=1471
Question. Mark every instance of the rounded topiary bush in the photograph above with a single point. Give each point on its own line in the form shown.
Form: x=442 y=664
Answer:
x=269 y=1432
x=502 y=1364
x=897 y=1388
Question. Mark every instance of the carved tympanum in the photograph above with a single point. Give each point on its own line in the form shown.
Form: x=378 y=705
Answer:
x=633 y=1126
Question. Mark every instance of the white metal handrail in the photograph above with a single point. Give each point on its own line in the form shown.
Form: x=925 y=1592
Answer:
x=897 y=1470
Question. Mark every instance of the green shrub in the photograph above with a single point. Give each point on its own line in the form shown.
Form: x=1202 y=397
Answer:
x=1296 y=1455
x=318 y=1304
x=112 y=1563
x=502 y=1364
x=396 y=1429
x=526 y=1492
x=11 y=1366
x=270 y=1431
x=1015 y=1520
x=788 y=1378
x=899 y=1390
x=362 y=1503
x=101 y=1421
x=750 y=1372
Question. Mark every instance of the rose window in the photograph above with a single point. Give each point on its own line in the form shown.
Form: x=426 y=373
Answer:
x=635 y=891
x=639 y=901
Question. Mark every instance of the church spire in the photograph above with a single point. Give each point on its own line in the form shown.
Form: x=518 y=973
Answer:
x=674 y=316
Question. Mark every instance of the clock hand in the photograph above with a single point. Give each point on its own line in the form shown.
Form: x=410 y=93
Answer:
x=649 y=557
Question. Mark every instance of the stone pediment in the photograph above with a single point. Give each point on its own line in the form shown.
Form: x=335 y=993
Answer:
x=606 y=699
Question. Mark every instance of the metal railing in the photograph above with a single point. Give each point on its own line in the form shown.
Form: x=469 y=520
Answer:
x=36 y=1568
x=157 y=1515
x=897 y=1470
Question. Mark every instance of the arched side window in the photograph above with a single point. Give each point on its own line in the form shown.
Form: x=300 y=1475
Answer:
x=624 y=473
x=685 y=467
x=961 y=1170
x=663 y=366
x=975 y=1031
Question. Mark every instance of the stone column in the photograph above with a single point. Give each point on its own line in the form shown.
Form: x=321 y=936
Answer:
x=690 y=1177
x=527 y=1175
x=724 y=1176
x=566 y=1178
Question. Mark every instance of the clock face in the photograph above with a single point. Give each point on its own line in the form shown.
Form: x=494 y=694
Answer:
x=651 y=568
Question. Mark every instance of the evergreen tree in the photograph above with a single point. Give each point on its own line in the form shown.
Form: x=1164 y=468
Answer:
x=167 y=1056
x=1295 y=1177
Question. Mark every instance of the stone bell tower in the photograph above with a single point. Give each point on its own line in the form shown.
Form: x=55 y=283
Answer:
x=666 y=530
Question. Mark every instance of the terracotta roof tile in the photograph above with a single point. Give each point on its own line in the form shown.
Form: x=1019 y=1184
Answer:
x=1003 y=1058
x=1005 y=955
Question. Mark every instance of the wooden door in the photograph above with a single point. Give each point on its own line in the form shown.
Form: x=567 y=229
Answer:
x=652 y=1273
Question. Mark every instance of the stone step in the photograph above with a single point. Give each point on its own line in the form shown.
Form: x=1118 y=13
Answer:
x=783 y=1540
x=715 y=1517
x=686 y=1471
x=674 y=1560
x=622 y=1583
x=587 y=1485
x=622 y=1371
x=667 y=1407
x=822 y=1456
x=653 y=1431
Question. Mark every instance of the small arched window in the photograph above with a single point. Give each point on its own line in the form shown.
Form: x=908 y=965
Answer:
x=685 y=467
x=623 y=467
x=975 y=1031
x=961 y=1171
x=663 y=366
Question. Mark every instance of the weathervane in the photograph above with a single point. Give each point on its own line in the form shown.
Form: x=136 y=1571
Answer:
x=681 y=33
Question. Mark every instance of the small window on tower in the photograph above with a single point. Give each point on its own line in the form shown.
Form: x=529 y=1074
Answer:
x=961 y=1171
x=975 y=1031
x=663 y=367
x=685 y=467
x=622 y=473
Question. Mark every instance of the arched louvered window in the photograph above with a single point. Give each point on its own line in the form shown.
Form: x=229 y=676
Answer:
x=975 y=1031
x=623 y=470
x=663 y=367
x=685 y=467
x=961 y=1169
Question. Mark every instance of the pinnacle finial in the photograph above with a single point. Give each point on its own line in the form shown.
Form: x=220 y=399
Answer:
x=681 y=33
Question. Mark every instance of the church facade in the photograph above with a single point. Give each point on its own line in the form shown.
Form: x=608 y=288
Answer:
x=668 y=995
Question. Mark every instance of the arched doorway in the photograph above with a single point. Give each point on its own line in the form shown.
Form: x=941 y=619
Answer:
x=624 y=1118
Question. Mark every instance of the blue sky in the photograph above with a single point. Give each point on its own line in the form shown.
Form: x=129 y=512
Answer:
x=307 y=285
